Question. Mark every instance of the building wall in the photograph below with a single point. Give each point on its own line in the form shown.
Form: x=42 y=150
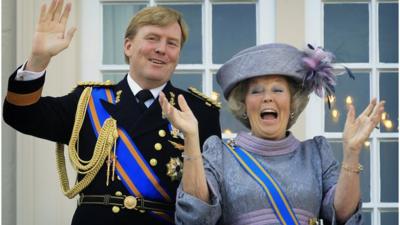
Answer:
x=8 y=135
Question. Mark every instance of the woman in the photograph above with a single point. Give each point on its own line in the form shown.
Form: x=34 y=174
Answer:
x=267 y=176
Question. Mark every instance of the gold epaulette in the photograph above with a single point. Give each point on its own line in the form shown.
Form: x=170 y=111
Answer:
x=106 y=83
x=208 y=100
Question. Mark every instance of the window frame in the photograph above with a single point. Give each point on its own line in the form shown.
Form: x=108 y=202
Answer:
x=314 y=25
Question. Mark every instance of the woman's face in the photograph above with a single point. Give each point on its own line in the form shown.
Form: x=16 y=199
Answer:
x=268 y=106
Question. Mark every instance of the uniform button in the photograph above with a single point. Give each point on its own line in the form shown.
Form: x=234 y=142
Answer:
x=153 y=162
x=158 y=147
x=162 y=133
x=142 y=211
x=115 y=209
x=118 y=193
x=119 y=178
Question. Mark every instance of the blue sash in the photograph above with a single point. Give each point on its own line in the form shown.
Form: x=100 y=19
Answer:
x=134 y=171
x=275 y=195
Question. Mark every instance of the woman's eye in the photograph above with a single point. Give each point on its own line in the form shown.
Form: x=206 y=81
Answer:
x=256 y=91
x=277 y=90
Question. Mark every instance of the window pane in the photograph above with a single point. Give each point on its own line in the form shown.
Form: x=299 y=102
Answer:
x=388 y=88
x=350 y=90
x=389 y=160
x=114 y=77
x=183 y=81
x=364 y=160
x=234 y=29
x=192 y=50
x=390 y=218
x=115 y=21
x=227 y=120
x=366 y=218
x=388 y=32
x=346 y=31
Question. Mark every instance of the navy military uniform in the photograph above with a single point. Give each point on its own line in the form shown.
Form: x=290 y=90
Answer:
x=52 y=118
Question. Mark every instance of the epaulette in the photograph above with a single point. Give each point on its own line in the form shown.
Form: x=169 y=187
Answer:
x=106 y=83
x=209 y=101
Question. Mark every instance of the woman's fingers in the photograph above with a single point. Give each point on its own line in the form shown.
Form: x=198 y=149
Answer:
x=351 y=114
x=367 y=111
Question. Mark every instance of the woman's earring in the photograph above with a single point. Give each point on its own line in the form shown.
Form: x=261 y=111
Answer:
x=244 y=116
x=292 y=115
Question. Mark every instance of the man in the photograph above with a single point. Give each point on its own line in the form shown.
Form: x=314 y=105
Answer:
x=128 y=157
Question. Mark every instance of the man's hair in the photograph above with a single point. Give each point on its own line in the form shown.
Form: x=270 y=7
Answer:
x=158 y=16
x=298 y=101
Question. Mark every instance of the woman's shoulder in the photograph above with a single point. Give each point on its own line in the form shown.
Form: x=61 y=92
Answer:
x=319 y=142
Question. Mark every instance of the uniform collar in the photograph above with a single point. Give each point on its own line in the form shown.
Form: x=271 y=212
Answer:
x=135 y=88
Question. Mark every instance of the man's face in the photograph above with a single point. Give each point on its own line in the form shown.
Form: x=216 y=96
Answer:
x=153 y=54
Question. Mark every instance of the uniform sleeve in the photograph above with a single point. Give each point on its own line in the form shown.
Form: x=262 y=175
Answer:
x=330 y=175
x=50 y=118
x=193 y=211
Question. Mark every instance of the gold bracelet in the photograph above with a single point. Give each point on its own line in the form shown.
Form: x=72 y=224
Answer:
x=188 y=157
x=352 y=169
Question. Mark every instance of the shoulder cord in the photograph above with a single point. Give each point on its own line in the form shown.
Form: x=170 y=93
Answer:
x=103 y=149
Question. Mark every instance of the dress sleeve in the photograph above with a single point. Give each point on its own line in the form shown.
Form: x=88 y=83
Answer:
x=193 y=211
x=330 y=175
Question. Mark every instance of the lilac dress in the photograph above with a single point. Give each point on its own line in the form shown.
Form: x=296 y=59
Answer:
x=306 y=171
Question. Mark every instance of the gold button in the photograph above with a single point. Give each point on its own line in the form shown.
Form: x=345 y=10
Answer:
x=130 y=202
x=142 y=211
x=162 y=133
x=158 y=147
x=153 y=162
x=118 y=193
x=115 y=209
x=119 y=178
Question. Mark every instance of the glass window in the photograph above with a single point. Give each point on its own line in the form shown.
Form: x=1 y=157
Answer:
x=388 y=32
x=347 y=90
x=115 y=21
x=114 y=77
x=337 y=148
x=390 y=218
x=228 y=122
x=366 y=218
x=233 y=29
x=192 y=50
x=388 y=88
x=183 y=81
x=389 y=158
x=346 y=31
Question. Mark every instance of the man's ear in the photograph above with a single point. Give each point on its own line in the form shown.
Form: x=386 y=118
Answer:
x=128 y=44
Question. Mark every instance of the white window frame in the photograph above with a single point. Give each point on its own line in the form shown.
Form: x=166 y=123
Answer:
x=314 y=22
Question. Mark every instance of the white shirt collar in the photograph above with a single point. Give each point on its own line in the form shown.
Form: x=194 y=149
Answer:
x=136 y=88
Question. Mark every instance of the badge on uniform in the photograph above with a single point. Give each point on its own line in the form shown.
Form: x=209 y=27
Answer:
x=174 y=168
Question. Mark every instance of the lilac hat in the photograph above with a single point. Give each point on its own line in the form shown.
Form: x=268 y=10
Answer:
x=260 y=60
x=311 y=67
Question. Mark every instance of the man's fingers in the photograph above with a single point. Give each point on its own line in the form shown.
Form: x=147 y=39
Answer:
x=42 y=16
x=70 y=34
x=58 y=10
x=65 y=15
x=51 y=10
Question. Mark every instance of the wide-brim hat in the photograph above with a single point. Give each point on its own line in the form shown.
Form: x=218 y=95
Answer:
x=267 y=59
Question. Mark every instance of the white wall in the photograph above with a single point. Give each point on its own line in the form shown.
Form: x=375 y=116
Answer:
x=8 y=135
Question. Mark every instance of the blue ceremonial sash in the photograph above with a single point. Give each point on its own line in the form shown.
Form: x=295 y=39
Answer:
x=275 y=195
x=134 y=171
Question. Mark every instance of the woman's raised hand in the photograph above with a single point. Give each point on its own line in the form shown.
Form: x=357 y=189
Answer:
x=182 y=119
x=50 y=37
x=357 y=130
